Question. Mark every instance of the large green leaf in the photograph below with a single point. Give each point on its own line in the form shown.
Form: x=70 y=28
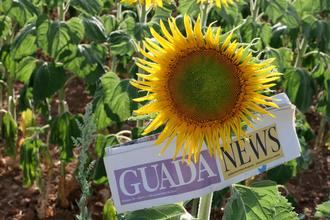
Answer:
x=94 y=29
x=165 y=212
x=275 y=9
x=87 y=6
x=101 y=142
x=188 y=7
x=63 y=129
x=322 y=32
x=52 y=36
x=284 y=172
x=231 y=15
x=20 y=10
x=118 y=95
x=47 y=80
x=25 y=68
x=24 y=43
x=86 y=61
x=77 y=30
x=29 y=160
x=121 y=43
x=284 y=58
x=323 y=105
x=9 y=133
x=307 y=7
x=17 y=69
x=261 y=201
x=282 y=10
x=5 y=26
x=101 y=118
x=300 y=88
x=251 y=30
x=109 y=22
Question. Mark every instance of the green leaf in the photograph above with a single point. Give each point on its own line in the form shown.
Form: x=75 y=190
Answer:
x=323 y=210
x=77 y=30
x=325 y=5
x=101 y=118
x=19 y=10
x=17 y=69
x=282 y=10
x=53 y=3
x=63 y=128
x=260 y=201
x=284 y=172
x=25 y=68
x=308 y=23
x=47 y=80
x=165 y=212
x=87 y=6
x=118 y=95
x=25 y=98
x=291 y=18
x=9 y=133
x=94 y=29
x=284 y=58
x=307 y=7
x=300 y=88
x=188 y=7
x=266 y=33
x=323 y=105
x=86 y=61
x=5 y=26
x=29 y=160
x=24 y=43
x=275 y=9
x=52 y=36
x=120 y=43
x=109 y=22
x=101 y=142
x=109 y=211
x=322 y=32
x=162 y=13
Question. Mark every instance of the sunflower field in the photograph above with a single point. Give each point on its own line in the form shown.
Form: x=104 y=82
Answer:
x=77 y=76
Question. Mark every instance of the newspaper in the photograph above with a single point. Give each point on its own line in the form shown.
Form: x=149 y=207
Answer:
x=140 y=177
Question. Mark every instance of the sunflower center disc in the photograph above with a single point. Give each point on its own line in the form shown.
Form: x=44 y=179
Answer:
x=204 y=85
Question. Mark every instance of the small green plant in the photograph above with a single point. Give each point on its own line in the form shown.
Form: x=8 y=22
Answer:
x=85 y=167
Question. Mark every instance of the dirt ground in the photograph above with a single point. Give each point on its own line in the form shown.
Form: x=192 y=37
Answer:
x=309 y=188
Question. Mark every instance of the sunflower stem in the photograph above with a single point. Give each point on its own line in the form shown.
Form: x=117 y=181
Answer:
x=254 y=7
x=118 y=11
x=204 y=209
x=143 y=15
x=204 y=10
x=302 y=47
x=194 y=207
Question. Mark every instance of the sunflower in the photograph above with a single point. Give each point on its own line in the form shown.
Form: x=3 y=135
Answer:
x=148 y=3
x=200 y=88
x=218 y=3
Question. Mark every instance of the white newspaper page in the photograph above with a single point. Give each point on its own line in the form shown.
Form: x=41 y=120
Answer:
x=140 y=177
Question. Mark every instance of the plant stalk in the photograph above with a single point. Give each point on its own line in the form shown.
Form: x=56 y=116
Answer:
x=321 y=134
x=143 y=15
x=194 y=208
x=302 y=47
x=61 y=95
x=204 y=209
x=204 y=10
x=254 y=7
x=11 y=98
